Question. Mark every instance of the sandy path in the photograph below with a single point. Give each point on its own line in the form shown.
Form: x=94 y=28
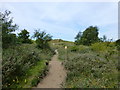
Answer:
x=56 y=74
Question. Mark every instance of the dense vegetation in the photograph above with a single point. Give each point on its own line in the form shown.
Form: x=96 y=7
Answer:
x=94 y=66
x=90 y=63
x=18 y=60
x=23 y=63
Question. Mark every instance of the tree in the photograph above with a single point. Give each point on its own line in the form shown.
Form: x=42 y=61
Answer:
x=23 y=36
x=8 y=38
x=42 y=38
x=78 y=37
x=104 y=38
x=89 y=36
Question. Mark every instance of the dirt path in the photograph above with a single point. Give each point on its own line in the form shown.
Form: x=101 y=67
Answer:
x=55 y=76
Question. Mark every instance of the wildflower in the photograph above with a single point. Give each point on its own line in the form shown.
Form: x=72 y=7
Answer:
x=13 y=80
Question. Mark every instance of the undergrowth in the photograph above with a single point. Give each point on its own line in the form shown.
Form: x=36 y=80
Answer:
x=18 y=60
x=94 y=66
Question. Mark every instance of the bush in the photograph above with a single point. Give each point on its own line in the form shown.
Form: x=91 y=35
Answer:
x=84 y=49
x=99 y=47
x=35 y=81
x=90 y=66
x=15 y=63
x=17 y=60
x=74 y=49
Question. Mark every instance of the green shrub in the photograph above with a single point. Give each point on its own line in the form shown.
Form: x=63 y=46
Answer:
x=90 y=66
x=74 y=49
x=17 y=60
x=84 y=49
x=35 y=81
x=99 y=47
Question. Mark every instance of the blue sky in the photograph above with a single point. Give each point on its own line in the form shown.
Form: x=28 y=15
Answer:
x=65 y=19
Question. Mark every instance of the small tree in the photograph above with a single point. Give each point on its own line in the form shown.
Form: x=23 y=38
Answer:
x=104 y=38
x=23 y=36
x=89 y=36
x=42 y=38
x=8 y=38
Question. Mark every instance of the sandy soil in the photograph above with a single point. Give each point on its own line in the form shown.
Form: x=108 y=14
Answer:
x=56 y=74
